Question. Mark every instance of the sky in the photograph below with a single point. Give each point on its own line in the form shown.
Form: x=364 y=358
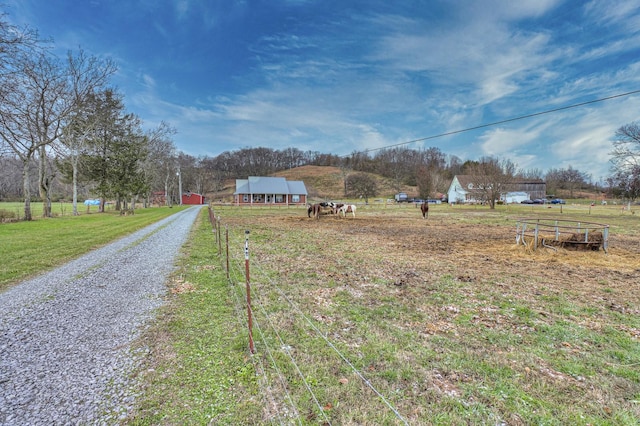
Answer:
x=346 y=76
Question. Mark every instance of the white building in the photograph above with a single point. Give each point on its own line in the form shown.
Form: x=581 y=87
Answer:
x=463 y=191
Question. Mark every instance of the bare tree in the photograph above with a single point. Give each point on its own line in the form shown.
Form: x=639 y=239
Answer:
x=625 y=159
x=626 y=147
x=30 y=117
x=43 y=95
x=574 y=179
x=626 y=183
x=16 y=45
x=491 y=178
x=160 y=163
x=530 y=174
x=424 y=179
x=15 y=42
x=361 y=185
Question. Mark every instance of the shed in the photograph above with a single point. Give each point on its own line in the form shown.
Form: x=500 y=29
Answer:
x=192 y=198
x=516 y=197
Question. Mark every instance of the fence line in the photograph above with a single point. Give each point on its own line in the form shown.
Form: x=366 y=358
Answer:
x=241 y=319
x=273 y=361
x=238 y=288
x=316 y=330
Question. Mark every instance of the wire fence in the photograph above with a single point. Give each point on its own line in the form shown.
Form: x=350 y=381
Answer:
x=278 y=352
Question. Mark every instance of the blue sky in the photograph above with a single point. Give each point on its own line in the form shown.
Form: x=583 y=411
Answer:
x=344 y=76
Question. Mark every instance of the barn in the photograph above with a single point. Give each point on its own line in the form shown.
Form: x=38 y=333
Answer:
x=269 y=190
x=192 y=198
x=462 y=190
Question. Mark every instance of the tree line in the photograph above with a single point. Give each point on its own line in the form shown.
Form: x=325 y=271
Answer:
x=65 y=133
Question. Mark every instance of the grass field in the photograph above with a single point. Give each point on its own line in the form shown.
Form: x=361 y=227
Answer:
x=28 y=248
x=16 y=209
x=391 y=319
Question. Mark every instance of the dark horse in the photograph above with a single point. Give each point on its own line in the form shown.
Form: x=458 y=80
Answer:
x=315 y=210
x=424 y=208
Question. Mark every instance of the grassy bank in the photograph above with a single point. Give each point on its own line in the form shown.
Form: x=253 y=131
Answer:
x=29 y=248
x=200 y=371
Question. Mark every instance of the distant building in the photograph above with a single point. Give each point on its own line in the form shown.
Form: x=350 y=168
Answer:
x=515 y=197
x=462 y=190
x=158 y=198
x=192 y=198
x=269 y=190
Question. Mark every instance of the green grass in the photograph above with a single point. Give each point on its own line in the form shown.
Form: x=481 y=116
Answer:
x=200 y=372
x=440 y=350
x=29 y=248
x=450 y=353
x=16 y=209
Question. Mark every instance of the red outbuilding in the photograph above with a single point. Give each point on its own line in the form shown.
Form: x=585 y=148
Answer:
x=192 y=198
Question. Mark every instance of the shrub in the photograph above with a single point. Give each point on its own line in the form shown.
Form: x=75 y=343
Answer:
x=6 y=214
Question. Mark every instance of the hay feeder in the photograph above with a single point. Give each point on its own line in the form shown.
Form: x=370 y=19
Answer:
x=568 y=234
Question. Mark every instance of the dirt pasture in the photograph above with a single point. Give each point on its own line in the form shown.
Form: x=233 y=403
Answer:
x=449 y=312
x=478 y=248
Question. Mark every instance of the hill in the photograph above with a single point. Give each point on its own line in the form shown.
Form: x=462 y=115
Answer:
x=327 y=182
x=323 y=183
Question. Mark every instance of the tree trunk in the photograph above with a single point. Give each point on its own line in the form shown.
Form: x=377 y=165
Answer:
x=44 y=184
x=167 y=201
x=26 y=187
x=74 y=162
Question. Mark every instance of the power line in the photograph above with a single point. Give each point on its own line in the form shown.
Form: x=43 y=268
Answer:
x=495 y=123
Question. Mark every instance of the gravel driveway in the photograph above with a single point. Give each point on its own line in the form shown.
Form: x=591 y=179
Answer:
x=65 y=337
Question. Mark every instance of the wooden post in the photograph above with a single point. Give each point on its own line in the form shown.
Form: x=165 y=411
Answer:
x=219 y=236
x=246 y=266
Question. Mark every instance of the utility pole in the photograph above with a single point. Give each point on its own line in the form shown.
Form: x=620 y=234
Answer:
x=179 y=185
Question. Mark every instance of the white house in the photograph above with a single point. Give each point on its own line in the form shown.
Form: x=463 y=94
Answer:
x=462 y=190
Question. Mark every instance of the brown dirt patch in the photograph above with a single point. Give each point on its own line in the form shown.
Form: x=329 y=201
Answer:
x=407 y=250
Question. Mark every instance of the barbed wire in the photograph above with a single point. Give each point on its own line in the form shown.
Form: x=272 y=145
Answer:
x=257 y=266
x=269 y=352
x=236 y=288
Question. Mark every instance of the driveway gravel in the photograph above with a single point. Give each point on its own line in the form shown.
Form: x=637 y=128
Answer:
x=66 y=337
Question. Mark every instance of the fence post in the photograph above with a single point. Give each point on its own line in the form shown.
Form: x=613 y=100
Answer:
x=246 y=267
x=218 y=236
x=226 y=231
x=212 y=218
